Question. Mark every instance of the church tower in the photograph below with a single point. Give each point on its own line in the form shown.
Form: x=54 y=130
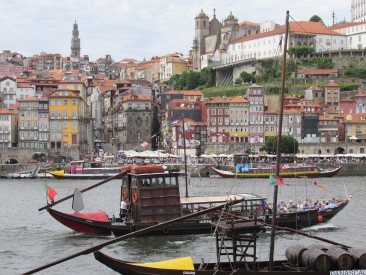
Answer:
x=75 y=41
x=201 y=31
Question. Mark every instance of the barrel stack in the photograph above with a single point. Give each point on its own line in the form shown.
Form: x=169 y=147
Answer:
x=358 y=256
x=340 y=258
x=294 y=254
x=317 y=257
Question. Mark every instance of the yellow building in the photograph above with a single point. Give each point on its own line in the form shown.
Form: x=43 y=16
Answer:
x=66 y=121
x=355 y=128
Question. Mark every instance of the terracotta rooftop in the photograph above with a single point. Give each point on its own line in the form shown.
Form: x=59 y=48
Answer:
x=232 y=99
x=299 y=27
x=332 y=84
x=317 y=71
x=356 y=118
x=136 y=97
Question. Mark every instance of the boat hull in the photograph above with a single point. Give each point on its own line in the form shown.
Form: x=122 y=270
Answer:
x=299 y=220
x=84 y=176
x=85 y=223
x=118 y=228
x=245 y=268
x=282 y=174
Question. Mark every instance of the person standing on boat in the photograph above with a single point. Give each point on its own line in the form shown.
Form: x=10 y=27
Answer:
x=123 y=210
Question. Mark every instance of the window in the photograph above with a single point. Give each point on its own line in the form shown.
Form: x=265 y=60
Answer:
x=74 y=103
x=65 y=102
x=213 y=111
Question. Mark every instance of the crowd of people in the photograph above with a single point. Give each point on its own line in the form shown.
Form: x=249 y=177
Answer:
x=301 y=206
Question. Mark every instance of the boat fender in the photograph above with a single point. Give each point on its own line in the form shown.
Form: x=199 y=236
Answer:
x=320 y=218
x=135 y=198
x=124 y=196
x=165 y=230
x=133 y=228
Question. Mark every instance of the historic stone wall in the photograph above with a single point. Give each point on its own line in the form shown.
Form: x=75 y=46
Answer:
x=20 y=154
x=304 y=148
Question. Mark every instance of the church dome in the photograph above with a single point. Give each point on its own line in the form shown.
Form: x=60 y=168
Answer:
x=202 y=14
x=230 y=16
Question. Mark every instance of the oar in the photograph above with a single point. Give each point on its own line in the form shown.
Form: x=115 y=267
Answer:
x=86 y=189
x=133 y=234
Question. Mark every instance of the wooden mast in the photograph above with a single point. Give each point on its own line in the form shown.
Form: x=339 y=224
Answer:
x=185 y=155
x=278 y=151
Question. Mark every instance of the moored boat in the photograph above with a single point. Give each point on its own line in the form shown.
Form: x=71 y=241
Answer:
x=244 y=169
x=236 y=241
x=80 y=170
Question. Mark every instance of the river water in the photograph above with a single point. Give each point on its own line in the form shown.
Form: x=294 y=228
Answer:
x=29 y=238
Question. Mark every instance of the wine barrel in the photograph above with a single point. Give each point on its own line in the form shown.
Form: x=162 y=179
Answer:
x=358 y=256
x=316 y=259
x=317 y=246
x=294 y=254
x=340 y=258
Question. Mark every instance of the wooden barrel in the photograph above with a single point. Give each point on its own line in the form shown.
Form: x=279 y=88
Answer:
x=340 y=258
x=359 y=257
x=294 y=254
x=316 y=259
x=317 y=246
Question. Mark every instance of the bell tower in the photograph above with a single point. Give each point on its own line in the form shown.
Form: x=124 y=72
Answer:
x=75 y=41
x=201 y=31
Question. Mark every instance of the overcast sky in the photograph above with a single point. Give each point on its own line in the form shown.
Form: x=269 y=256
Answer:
x=137 y=28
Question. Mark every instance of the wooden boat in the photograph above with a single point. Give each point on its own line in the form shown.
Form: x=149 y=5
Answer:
x=153 y=195
x=245 y=169
x=238 y=239
x=96 y=173
x=303 y=219
x=80 y=170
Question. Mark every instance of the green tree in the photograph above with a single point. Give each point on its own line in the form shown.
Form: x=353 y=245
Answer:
x=315 y=18
x=193 y=80
x=247 y=77
x=208 y=77
x=300 y=51
x=238 y=81
x=289 y=145
x=325 y=63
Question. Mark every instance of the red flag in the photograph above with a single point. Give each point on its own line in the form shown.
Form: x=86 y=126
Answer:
x=51 y=193
x=279 y=181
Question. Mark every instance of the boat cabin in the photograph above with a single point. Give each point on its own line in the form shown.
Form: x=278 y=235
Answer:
x=152 y=193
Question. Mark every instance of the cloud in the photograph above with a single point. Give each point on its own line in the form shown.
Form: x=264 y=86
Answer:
x=139 y=28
